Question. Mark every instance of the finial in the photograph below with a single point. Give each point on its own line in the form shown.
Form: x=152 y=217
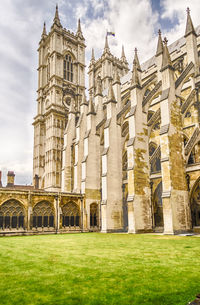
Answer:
x=123 y=54
x=79 y=25
x=137 y=60
x=56 y=18
x=44 y=33
x=189 y=25
x=92 y=57
x=159 y=44
x=135 y=78
x=106 y=47
x=165 y=41
x=166 y=60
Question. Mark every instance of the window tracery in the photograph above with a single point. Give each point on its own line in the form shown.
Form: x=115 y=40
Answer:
x=94 y=215
x=11 y=215
x=43 y=215
x=70 y=215
x=68 y=68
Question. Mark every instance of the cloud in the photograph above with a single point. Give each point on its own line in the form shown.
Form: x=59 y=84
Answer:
x=135 y=25
x=176 y=10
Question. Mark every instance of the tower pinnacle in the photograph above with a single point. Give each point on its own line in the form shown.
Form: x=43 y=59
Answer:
x=44 y=32
x=79 y=31
x=106 y=47
x=56 y=18
x=135 y=78
x=160 y=44
x=166 y=60
x=137 y=60
x=189 y=25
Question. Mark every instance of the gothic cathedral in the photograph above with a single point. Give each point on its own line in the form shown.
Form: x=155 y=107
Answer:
x=126 y=159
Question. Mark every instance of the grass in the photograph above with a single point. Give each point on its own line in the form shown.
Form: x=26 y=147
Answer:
x=97 y=269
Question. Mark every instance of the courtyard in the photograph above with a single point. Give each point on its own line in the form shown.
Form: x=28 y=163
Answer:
x=94 y=268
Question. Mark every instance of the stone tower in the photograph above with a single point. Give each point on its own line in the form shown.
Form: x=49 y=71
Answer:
x=61 y=83
x=105 y=68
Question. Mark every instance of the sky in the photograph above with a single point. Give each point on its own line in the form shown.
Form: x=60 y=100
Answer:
x=135 y=23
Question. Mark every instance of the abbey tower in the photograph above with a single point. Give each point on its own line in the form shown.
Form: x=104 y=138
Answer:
x=125 y=159
x=61 y=81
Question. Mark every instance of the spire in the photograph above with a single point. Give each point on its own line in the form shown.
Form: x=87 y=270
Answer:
x=123 y=56
x=106 y=47
x=44 y=32
x=92 y=60
x=160 y=44
x=99 y=86
x=166 y=60
x=116 y=79
x=111 y=95
x=56 y=18
x=79 y=32
x=91 y=106
x=189 y=25
x=79 y=25
x=135 y=78
x=137 y=61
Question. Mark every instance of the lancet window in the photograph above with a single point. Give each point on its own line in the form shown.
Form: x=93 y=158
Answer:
x=94 y=215
x=68 y=68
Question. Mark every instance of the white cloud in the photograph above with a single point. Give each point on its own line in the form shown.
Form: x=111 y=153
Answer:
x=133 y=21
x=176 y=10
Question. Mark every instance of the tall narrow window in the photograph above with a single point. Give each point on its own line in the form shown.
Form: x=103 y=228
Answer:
x=68 y=68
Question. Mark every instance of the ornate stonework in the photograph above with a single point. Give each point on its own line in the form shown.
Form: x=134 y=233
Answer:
x=126 y=159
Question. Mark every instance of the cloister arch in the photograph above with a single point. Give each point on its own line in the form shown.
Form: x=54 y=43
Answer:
x=12 y=215
x=70 y=215
x=43 y=215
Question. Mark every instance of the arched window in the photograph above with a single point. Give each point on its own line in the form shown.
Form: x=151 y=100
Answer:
x=43 y=215
x=195 y=154
x=94 y=215
x=195 y=204
x=68 y=68
x=11 y=215
x=157 y=206
x=155 y=161
x=152 y=148
x=70 y=215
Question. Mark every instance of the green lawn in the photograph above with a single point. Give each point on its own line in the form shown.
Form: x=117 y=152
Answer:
x=94 y=268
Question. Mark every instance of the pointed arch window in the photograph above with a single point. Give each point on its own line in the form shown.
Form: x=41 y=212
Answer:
x=68 y=68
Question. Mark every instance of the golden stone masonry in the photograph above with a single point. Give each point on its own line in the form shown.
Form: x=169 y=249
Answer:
x=126 y=160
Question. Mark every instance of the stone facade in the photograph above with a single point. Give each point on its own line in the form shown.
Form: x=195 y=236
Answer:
x=127 y=159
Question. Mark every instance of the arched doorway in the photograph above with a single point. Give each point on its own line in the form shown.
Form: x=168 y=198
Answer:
x=43 y=215
x=70 y=215
x=195 y=204
x=94 y=215
x=12 y=215
x=158 y=207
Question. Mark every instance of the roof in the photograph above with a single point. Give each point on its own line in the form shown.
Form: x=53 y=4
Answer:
x=175 y=46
